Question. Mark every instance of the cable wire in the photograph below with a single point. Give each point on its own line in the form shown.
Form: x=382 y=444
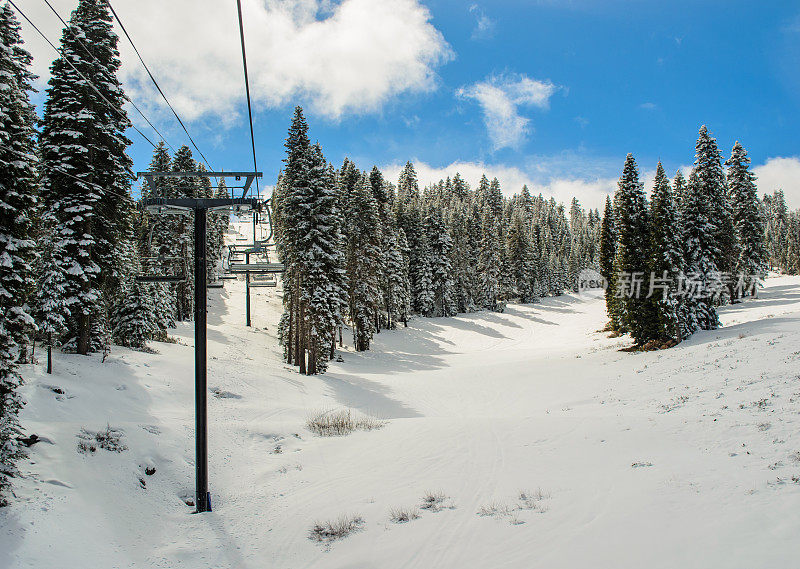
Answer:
x=247 y=89
x=90 y=54
x=89 y=83
x=153 y=79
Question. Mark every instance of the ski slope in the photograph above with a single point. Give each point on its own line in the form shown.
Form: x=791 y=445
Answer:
x=678 y=458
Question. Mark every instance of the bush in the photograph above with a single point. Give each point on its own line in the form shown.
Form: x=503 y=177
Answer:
x=110 y=439
x=330 y=531
x=403 y=515
x=329 y=423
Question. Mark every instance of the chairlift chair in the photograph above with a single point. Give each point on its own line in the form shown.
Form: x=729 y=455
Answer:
x=162 y=270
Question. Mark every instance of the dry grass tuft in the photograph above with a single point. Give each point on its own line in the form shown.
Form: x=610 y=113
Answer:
x=337 y=423
x=330 y=531
x=403 y=515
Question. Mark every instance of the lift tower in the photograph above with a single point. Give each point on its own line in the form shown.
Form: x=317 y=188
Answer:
x=200 y=207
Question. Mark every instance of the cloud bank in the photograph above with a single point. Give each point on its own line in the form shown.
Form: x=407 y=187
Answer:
x=349 y=57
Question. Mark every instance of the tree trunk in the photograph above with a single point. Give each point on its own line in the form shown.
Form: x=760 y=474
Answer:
x=341 y=341
x=290 y=336
x=301 y=350
x=333 y=344
x=50 y=352
x=312 y=354
x=83 y=335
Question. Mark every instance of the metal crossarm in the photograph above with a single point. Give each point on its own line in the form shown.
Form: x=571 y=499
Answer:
x=248 y=177
x=265 y=268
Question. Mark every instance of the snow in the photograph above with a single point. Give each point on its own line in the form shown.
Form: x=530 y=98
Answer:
x=677 y=458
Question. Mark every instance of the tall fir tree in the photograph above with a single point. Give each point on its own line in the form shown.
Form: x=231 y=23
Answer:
x=86 y=186
x=751 y=264
x=17 y=246
x=363 y=256
x=666 y=259
x=632 y=254
x=608 y=251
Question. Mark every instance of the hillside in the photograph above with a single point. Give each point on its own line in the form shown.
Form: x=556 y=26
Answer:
x=688 y=457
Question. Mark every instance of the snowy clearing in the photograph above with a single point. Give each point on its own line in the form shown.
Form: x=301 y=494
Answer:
x=522 y=439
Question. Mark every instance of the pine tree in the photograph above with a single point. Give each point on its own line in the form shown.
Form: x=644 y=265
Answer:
x=752 y=262
x=708 y=234
x=18 y=185
x=363 y=255
x=87 y=183
x=52 y=312
x=608 y=248
x=632 y=253
x=490 y=266
x=666 y=259
x=712 y=184
x=292 y=203
x=17 y=204
x=442 y=283
x=521 y=256
x=180 y=233
x=322 y=263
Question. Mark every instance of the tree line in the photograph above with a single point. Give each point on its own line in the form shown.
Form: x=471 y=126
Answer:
x=365 y=252
x=697 y=244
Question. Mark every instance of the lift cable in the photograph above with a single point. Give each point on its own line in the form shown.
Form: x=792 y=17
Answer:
x=90 y=54
x=89 y=83
x=247 y=89
x=153 y=79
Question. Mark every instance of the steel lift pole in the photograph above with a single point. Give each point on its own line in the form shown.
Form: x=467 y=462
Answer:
x=203 y=499
x=247 y=286
x=200 y=207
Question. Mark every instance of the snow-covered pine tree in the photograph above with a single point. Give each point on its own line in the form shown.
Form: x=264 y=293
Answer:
x=181 y=233
x=711 y=183
x=490 y=266
x=608 y=249
x=17 y=204
x=632 y=254
x=441 y=245
x=666 y=258
x=752 y=262
x=292 y=203
x=402 y=292
x=777 y=235
x=52 y=313
x=133 y=317
x=322 y=264
x=363 y=256
x=700 y=252
x=86 y=184
x=521 y=256
x=18 y=186
x=678 y=188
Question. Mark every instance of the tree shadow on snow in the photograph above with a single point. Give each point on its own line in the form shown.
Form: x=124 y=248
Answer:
x=367 y=396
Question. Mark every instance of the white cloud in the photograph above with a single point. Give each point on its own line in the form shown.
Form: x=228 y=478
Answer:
x=484 y=25
x=780 y=174
x=348 y=57
x=591 y=192
x=500 y=97
x=648 y=106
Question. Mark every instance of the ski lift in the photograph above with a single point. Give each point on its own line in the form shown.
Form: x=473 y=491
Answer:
x=263 y=281
x=162 y=270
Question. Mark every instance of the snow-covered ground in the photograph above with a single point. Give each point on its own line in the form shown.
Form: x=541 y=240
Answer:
x=688 y=457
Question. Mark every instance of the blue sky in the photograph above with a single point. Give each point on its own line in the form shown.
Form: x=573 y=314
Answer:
x=549 y=93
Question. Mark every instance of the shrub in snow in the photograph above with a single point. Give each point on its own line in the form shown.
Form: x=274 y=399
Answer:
x=435 y=501
x=109 y=439
x=330 y=531
x=343 y=422
x=403 y=515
